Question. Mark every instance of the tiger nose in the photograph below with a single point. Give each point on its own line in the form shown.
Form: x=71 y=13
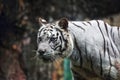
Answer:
x=41 y=52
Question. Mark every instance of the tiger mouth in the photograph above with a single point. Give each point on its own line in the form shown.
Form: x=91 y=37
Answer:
x=46 y=58
x=49 y=58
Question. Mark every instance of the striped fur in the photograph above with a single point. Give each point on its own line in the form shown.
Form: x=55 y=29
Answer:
x=92 y=46
x=98 y=45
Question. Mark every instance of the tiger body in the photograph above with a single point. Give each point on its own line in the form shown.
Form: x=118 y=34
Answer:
x=96 y=47
x=93 y=47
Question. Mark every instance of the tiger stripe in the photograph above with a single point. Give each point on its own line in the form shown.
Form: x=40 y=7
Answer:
x=110 y=39
x=118 y=31
x=81 y=58
x=86 y=52
x=101 y=67
x=89 y=23
x=91 y=63
x=78 y=26
x=84 y=23
x=103 y=37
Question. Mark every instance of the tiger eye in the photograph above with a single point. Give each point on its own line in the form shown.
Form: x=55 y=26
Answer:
x=57 y=34
x=53 y=35
x=51 y=30
x=51 y=26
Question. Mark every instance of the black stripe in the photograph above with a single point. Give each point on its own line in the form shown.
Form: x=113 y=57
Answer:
x=113 y=38
x=118 y=32
x=57 y=44
x=61 y=33
x=81 y=60
x=86 y=52
x=101 y=68
x=116 y=45
x=109 y=39
x=64 y=40
x=102 y=36
x=112 y=35
x=91 y=63
x=57 y=47
x=79 y=26
x=44 y=29
x=61 y=43
x=84 y=24
x=113 y=48
x=111 y=32
x=109 y=71
x=109 y=58
x=108 y=53
x=106 y=29
x=89 y=23
x=39 y=32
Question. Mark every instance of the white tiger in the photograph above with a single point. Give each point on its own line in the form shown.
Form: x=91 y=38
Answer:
x=92 y=46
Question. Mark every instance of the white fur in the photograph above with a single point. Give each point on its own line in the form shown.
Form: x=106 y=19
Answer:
x=91 y=35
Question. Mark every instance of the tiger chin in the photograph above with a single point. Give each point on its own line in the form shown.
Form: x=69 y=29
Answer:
x=92 y=46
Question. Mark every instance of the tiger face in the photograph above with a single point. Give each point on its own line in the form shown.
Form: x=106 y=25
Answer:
x=53 y=40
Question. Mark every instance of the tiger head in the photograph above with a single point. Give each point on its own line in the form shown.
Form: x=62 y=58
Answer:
x=54 y=40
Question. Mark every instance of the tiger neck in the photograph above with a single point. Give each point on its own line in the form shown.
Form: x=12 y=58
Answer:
x=71 y=45
x=73 y=56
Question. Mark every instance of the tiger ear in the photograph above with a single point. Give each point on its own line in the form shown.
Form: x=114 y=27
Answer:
x=63 y=23
x=42 y=21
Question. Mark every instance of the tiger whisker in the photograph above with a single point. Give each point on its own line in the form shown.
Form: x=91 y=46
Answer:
x=59 y=59
x=52 y=58
x=34 y=57
x=56 y=61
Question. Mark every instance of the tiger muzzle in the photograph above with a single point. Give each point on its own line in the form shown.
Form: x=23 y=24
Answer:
x=41 y=52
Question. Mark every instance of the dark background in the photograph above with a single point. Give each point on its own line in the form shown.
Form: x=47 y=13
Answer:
x=18 y=28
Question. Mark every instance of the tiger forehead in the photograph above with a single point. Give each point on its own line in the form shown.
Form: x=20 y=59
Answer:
x=50 y=31
x=51 y=25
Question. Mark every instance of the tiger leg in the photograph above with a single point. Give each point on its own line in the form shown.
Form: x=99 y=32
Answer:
x=117 y=66
x=110 y=73
x=108 y=77
x=83 y=77
x=77 y=76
